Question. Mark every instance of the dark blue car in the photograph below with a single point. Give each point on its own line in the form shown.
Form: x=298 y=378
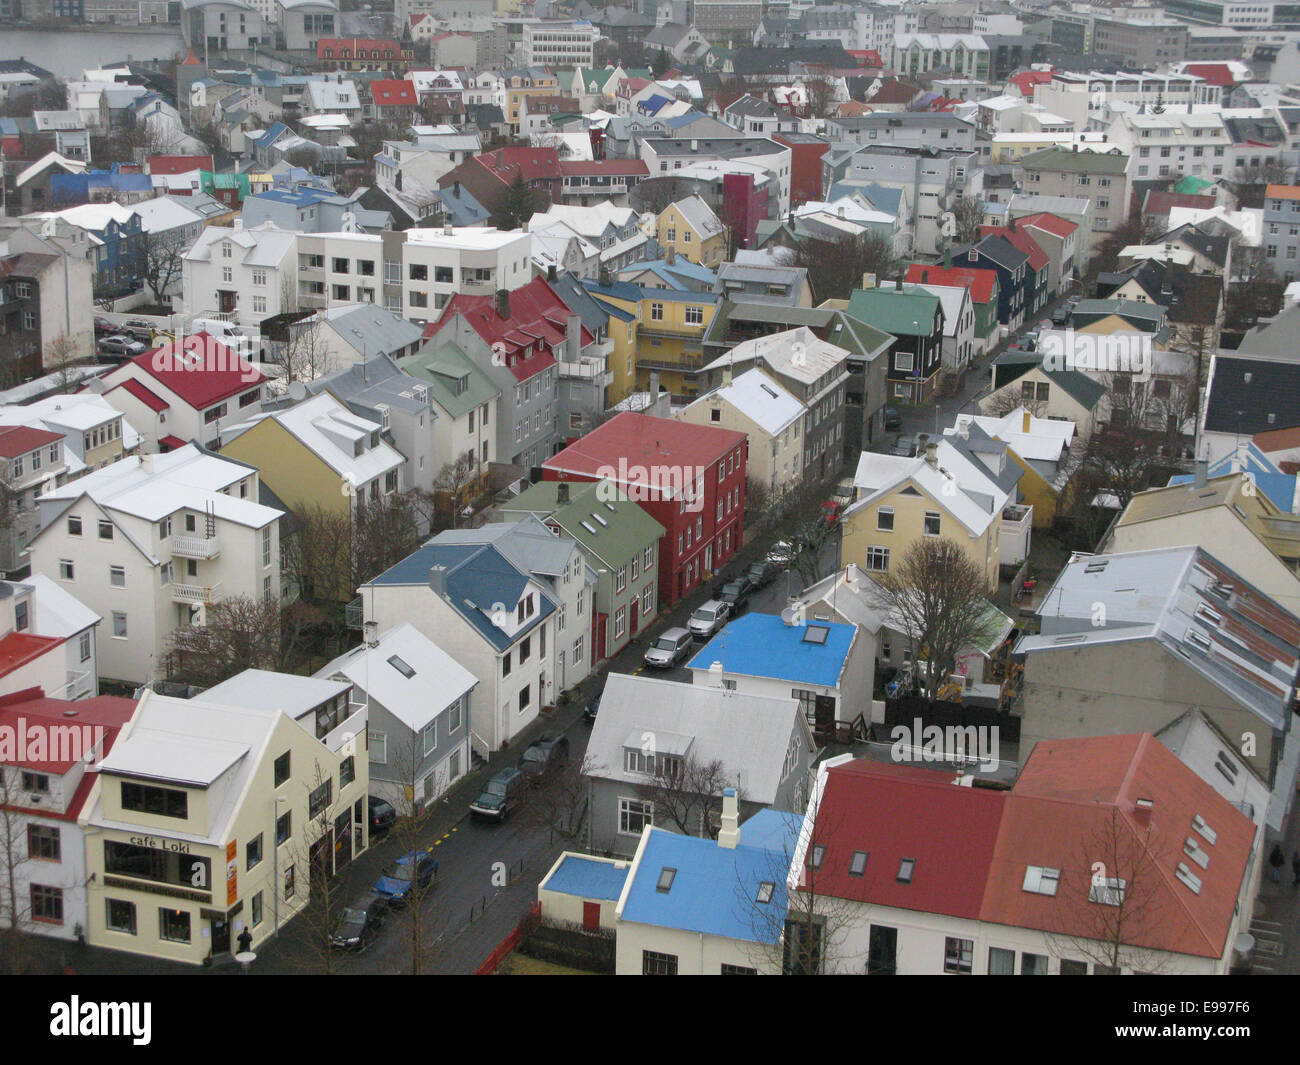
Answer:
x=417 y=867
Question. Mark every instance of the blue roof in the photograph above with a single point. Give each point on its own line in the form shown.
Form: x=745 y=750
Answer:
x=462 y=209
x=686 y=119
x=671 y=272
x=1279 y=487
x=479 y=578
x=587 y=878
x=715 y=888
x=762 y=645
x=302 y=196
x=274 y=132
x=653 y=103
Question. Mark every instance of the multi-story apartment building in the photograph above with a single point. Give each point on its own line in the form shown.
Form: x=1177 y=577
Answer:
x=1103 y=177
x=221 y=26
x=1078 y=96
x=663 y=155
x=338 y=268
x=926 y=130
x=187 y=849
x=437 y=264
x=149 y=542
x=30 y=460
x=558 y=45
x=1281 y=235
x=1143 y=45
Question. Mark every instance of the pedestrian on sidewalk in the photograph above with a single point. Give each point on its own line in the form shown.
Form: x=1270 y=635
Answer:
x=1295 y=867
x=1277 y=859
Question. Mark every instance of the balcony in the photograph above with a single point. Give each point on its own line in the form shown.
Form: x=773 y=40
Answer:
x=195 y=546
x=1016 y=533
x=588 y=370
x=354 y=614
x=682 y=363
x=353 y=726
x=194 y=593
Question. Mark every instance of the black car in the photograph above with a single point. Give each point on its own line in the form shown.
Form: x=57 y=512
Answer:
x=360 y=922
x=382 y=815
x=735 y=593
x=593 y=708
x=545 y=756
x=893 y=420
x=761 y=574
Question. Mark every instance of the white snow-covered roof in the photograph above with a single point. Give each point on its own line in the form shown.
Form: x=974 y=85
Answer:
x=163 y=213
x=952 y=481
x=760 y=398
x=58 y=611
x=797 y=353
x=1046 y=440
x=436 y=680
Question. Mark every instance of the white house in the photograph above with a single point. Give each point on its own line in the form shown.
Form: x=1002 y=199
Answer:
x=439 y=263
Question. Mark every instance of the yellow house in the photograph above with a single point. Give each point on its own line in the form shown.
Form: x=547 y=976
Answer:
x=666 y=334
x=937 y=494
x=690 y=229
x=524 y=85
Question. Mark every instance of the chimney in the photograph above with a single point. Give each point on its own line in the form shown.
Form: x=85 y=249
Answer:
x=932 y=454
x=552 y=275
x=670 y=256
x=654 y=385
x=922 y=442
x=1026 y=420
x=715 y=675
x=455 y=189
x=898 y=285
x=1202 y=473
x=925 y=276
x=1142 y=811
x=438 y=580
x=729 y=833
x=573 y=336
x=446 y=229
x=146 y=462
x=561 y=493
x=868 y=280
x=606 y=276
x=503 y=302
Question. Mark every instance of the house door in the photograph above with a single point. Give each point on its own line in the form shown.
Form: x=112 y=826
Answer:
x=882 y=951
x=824 y=714
x=591 y=915
x=342 y=839
x=708 y=559
x=226 y=301
x=636 y=603
x=220 y=936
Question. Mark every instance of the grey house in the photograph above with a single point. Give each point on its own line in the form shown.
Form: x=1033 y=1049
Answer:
x=650 y=732
x=377 y=390
x=418 y=721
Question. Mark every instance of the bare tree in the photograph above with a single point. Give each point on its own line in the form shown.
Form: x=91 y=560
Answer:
x=453 y=479
x=1249 y=183
x=384 y=531
x=1110 y=906
x=318 y=555
x=314 y=849
x=1005 y=400
x=835 y=268
x=161 y=260
x=686 y=792
x=936 y=595
x=61 y=359
x=413 y=815
x=238 y=633
x=559 y=803
x=305 y=354
x=16 y=946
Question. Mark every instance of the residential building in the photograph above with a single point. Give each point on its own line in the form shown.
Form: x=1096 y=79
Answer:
x=762 y=742
x=287 y=760
x=1102 y=177
x=691 y=230
x=620 y=544
x=417 y=714
x=437 y=264
x=691 y=479
x=983 y=286
x=994 y=251
x=558 y=44
x=916 y=318
x=149 y=543
x=241 y=275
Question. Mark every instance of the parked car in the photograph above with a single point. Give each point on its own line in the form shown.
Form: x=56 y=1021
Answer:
x=413 y=871
x=103 y=327
x=735 y=593
x=592 y=708
x=1062 y=314
x=761 y=574
x=780 y=554
x=500 y=795
x=709 y=618
x=671 y=647
x=547 y=754
x=138 y=330
x=905 y=445
x=382 y=815
x=120 y=345
x=360 y=922
x=893 y=420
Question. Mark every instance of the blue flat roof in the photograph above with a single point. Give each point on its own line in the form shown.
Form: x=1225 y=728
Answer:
x=587 y=878
x=762 y=645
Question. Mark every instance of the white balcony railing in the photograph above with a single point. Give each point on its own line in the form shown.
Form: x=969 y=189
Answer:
x=195 y=546
x=587 y=371
x=194 y=593
x=353 y=725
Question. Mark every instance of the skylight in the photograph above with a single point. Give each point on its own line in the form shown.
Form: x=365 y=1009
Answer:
x=815 y=857
x=905 y=868
x=1109 y=891
x=589 y=527
x=1041 y=880
x=1192 y=848
x=1189 y=878
x=765 y=890
x=401 y=666
x=666 y=875
x=1198 y=823
x=816 y=634
x=858 y=864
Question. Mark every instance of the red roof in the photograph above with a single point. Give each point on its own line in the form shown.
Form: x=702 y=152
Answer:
x=1027 y=79
x=583 y=167
x=202 y=373
x=177 y=164
x=170 y=442
x=867 y=57
x=895 y=92
x=1215 y=73
x=537 y=323
x=142 y=392
x=534 y=164
x=190 y=60
x=1049 y=223
x=19 y=648
x=980 y=282
x=1071 y=795
x=1021 y=240
x=894 y=812
x=1159 y=203
x=18 y=440
x=630 y=447
x=336 y=45
x=393 y=92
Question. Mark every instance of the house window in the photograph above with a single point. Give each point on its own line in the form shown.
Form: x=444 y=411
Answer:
x=253 y=852
x=84 y=648
x=885 y=519
x=120 y=916
x=932 y=520
x=633 y=816
x=1033 y=964
x=319 y=798
x=117 y=576
x=119 y=625
x=958 y=955
x=74 y=526
x=878 y=559
x=525 y=697
x=43 y=843
x=347 y=771
x=656 y=312
x=282 y=769
x=620 y=622
x=653 y=963
x=174 y=925
x=106 y=530
x=577 y=651
x=283 y=827
x=1001 y=962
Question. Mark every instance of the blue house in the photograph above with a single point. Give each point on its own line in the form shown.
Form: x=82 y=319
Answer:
x=829 y=667
x=1282 y=489
x=114 y=233
x=1014 y=274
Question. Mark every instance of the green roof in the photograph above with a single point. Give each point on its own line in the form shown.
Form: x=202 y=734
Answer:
x=442 y=366
x=1076 y=162
x=897 y=311
x=598 y=515
x=1190 y=185
x=856 y=336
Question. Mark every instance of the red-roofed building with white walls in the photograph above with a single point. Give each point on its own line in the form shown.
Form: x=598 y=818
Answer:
x=1108 y=854
x=689 y=478
x=186 y=390
x=48 y=750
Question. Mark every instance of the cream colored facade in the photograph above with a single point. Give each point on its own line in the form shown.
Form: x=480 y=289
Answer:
x=775 y=459
x=675 y=233
x=183 y=887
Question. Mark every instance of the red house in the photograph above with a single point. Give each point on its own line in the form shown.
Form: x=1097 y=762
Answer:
x=689 y=478
x=806 y=151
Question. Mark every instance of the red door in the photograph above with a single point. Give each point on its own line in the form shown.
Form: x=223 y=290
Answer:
x=591 y=915
x=635 y=603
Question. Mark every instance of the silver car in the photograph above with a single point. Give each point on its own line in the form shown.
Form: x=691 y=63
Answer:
x=709 y=618
x=669 y=649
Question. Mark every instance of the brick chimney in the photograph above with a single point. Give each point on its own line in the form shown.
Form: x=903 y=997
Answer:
x=503 y=302
x=1025 y=427
x=562 y=493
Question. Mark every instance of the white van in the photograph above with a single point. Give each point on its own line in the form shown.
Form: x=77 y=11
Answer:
x=228 y=333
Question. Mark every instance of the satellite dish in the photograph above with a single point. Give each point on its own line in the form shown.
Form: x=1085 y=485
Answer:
x=297 y=391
